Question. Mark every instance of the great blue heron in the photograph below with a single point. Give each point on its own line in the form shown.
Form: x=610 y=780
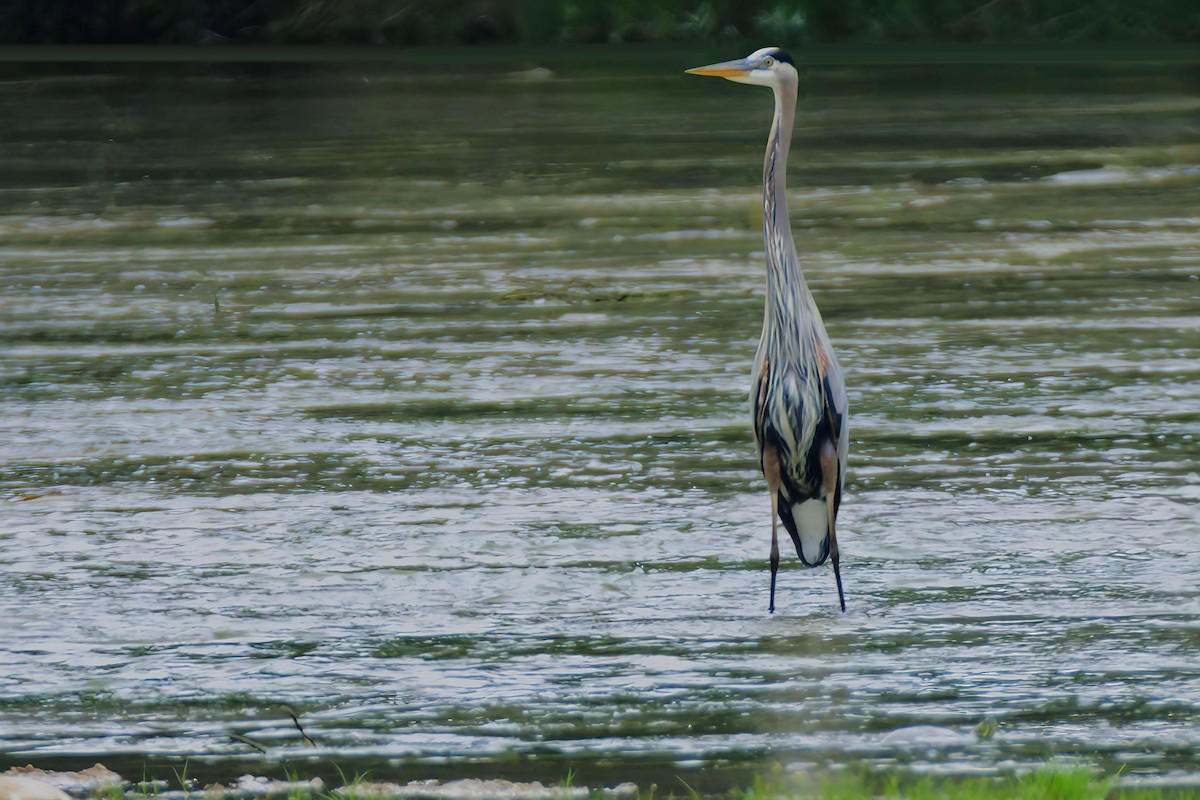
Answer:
x=797 y=395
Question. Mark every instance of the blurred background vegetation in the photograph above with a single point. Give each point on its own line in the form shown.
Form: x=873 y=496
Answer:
x=426 y=22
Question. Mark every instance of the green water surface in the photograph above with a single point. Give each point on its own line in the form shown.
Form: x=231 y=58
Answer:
x=412 y=394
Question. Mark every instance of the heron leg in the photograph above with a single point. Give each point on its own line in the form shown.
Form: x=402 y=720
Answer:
x=833 y=555
x=770 y=466
x=774 y=547
x=831 y=472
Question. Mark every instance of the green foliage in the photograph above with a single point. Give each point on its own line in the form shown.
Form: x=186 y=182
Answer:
x=1047 y=783
x=692 y=793
x=856 y=782
x=700 y=24
x=427 y=22
x=182 y=777
x=1051 y=782
x=782 y=23
x=986 y=729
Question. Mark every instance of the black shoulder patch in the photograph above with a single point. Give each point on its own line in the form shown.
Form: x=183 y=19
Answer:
x=781 y=55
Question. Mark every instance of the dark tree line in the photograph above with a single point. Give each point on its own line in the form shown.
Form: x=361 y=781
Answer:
x=415 y=22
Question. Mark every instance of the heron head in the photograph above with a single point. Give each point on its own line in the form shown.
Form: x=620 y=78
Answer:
x=769 y=66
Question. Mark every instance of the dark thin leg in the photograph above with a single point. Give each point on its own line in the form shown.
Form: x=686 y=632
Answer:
x=774 y=552
x=837 y=572
x=832 y=480
x=770 y=465
x=833 y=551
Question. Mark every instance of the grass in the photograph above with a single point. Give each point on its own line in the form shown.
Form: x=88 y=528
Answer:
x=1051 y=782
x=182 y=777
x=350 y=787
x=1048 y=783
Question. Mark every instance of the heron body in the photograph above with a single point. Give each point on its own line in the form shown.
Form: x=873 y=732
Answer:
x=797 y=395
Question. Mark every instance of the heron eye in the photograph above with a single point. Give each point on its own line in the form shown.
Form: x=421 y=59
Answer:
x=768 y=61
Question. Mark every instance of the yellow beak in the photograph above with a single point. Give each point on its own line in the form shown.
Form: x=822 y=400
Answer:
x=726 y=69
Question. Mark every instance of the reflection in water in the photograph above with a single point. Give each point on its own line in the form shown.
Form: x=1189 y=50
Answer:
x=421 y=407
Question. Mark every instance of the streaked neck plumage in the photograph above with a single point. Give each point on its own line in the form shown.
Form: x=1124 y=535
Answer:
x=787 y=293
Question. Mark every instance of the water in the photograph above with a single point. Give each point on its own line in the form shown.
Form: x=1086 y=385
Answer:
x=415 y=398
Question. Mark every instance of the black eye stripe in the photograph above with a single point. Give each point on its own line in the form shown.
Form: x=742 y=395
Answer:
x=780 y=55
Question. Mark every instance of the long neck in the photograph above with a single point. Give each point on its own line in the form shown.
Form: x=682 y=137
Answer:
x=785 y=281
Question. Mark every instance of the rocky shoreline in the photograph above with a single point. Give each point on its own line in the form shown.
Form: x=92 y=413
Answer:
x=31 y=783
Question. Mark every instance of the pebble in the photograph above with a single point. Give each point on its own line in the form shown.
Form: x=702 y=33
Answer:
x=13 y=787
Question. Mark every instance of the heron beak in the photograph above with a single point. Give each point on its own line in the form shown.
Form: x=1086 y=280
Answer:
x=726 y=69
